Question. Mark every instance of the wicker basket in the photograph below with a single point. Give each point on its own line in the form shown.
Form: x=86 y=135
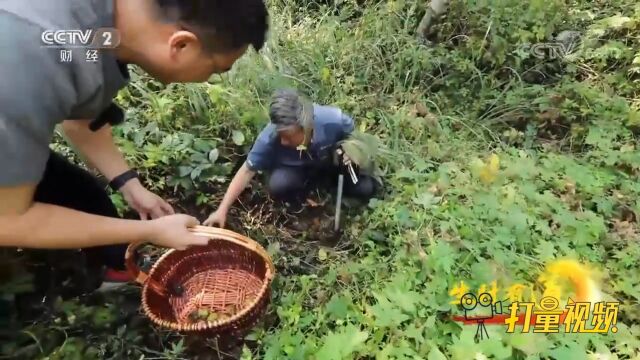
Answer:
x=230 y=277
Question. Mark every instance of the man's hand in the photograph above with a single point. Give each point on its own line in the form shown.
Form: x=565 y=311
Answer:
x=26 y=224
x=344 y=158
x=347 y=166
x=146 y=203
x=219 y=217
x=172 y=232
x=240 y=181
x=99 y=151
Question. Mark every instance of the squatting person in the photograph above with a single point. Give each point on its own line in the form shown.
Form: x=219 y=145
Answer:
x=297 y=150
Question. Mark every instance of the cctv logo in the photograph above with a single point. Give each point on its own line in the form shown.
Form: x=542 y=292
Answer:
x=103 y=38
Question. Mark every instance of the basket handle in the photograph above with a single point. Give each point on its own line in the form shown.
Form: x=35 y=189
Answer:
x=220 y=233
x=137 y=274
x=143 y=278
x=231 y=236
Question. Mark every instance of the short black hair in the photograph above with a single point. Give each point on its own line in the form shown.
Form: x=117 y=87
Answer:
x=285 y=108
x=221 y=25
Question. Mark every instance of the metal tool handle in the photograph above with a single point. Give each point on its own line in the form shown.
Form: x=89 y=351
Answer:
x=352 y=173
x=339 y=202
x=349 y=165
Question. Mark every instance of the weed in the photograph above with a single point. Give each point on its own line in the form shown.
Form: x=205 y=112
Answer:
x=562 y=181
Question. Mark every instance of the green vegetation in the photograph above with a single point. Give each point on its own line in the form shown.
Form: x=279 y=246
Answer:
x=565 y=131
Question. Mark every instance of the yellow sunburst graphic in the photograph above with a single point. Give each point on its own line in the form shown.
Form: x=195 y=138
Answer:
x=580 y=276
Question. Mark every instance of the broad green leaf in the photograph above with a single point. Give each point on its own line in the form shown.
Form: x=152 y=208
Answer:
x=568 y=353
x=184 y=170
x=199 y=157
x=443 y=256
x=385 y=354
x=213 y=155
x=342 y=344
x=405 y=300
x=338 y=307
x=386 y=314
x=415 y=332
x=201 y=145
x=496 y=348
x=426 y=199
x=529 y=343
x=517 y=220
x=546 y=250
x=436 y=354
x=238 y=137
x=102 y=317
x=196 y=172
x=598 y=138
x=464 y=347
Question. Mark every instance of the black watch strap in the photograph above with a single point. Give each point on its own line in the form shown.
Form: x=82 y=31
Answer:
x=122 y=179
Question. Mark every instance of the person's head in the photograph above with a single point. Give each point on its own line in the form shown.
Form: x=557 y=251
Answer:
x=291 y=114
x=189 y=40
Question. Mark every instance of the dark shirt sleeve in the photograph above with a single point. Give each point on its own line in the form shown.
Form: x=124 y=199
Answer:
x=347 y=125
x=262 y=154
x=36 y=93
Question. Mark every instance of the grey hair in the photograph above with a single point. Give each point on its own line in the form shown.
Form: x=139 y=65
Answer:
x=285 y=108
x=288 y=108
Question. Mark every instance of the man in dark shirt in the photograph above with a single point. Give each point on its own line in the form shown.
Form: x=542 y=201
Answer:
x=48 y=203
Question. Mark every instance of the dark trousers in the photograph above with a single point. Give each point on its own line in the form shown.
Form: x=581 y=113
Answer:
x=67 y=185
x=292 y=183
x=68 y=273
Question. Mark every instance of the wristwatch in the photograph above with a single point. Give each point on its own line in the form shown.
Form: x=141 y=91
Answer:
x=122 y=179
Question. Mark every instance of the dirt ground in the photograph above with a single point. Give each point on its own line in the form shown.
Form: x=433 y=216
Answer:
x=298 y=235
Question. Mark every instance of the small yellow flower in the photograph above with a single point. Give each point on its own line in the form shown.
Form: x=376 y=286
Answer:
x=493 y=291
x=458 y=291
x=325 y=74
x=489 y=171
x=515 y=293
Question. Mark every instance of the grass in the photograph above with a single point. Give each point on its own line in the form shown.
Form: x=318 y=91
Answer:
x=565 y=132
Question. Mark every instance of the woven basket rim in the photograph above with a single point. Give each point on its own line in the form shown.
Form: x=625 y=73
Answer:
x=253 y=246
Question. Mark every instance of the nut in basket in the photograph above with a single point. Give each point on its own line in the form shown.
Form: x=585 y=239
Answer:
x=220 y=289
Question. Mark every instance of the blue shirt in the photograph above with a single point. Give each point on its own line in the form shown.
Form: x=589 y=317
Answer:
x=330 y=125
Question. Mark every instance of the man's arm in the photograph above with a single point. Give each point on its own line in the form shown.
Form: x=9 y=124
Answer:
x=37 y=225
x=348 y=125
x=99 y=151
x=29 y=110
x=237 y=186
x=26 y=224
x=260 y=158
x=96 y=148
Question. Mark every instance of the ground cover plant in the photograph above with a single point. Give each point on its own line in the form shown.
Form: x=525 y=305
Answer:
x=496 y=161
